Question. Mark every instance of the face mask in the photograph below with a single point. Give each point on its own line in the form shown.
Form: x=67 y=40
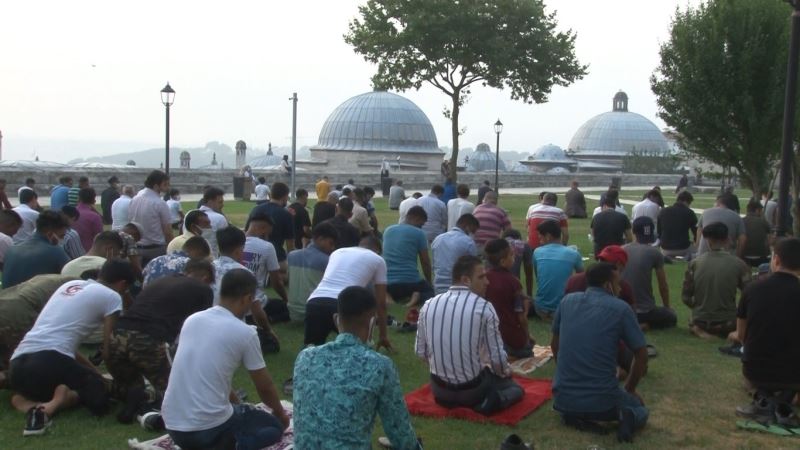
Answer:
x=55 y=240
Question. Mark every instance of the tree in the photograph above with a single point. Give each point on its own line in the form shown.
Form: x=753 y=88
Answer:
x=453 y=44
x=721 y=83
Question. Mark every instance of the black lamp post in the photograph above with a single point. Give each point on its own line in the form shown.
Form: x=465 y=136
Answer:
x=498 y=128
x=167 y=98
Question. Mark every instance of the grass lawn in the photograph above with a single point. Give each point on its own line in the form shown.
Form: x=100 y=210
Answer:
x=691 y=389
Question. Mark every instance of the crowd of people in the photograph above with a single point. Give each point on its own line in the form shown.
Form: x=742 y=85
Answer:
x=147 y=283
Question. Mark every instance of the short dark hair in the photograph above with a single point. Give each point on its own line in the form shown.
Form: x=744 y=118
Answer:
x=192 y=217
x=325 y=231
x=237 y=283
x=9 y=216
x=279 y=190
x=437 y=189
x=301 y=193
x=600 y=273
x=550 y=198
x=87 y=195
x=197 y=244
x=212 y=193
x=359 y=193
x=71 y=212
x=262 y=217
x=611 y=198
x=371 y=242
x=754 y=205
x=354 y=301
x=262 y=180
x=512 y=233
x=109 y=238
x=464 y=266
x=83 y=179
x=29 y=180
x=418 y=212
x=486 y=182
x=788 y=250
x=174 y=192
x=200 y=265
x=230 y=238
x=65 y=179
x=686 y=197
x=116 y=269
x=50 y=220
x=496 y=250
x=154 y=178
x=467 y=220
x=350 y=181
x=345 y=204
x=113 y=179
x=549 y=227
x=717 y=231
x=368 y=191
x=417 y=194
x=347 y=191
x=26 y=195
x=462 y=190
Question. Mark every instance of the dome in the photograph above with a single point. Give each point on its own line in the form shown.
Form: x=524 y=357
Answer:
x=185 y=155
x=483 y=160
x=614 y=134
x=269 y=160
x=378 y=121
x=24 y=164
x=548 y=152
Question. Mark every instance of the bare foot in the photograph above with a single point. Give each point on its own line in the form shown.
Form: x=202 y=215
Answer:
x=413 y=301
x=699 y=332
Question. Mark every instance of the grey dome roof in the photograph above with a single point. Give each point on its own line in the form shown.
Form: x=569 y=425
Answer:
x=616 y=133
x=548 y=152
x=378 y=121
x=269 y=160
x=483 y=160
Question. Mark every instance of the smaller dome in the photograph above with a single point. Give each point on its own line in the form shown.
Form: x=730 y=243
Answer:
x=548 y=152
x=483 y=160
x=185 y=155
x=240 y=145
x=269 y=160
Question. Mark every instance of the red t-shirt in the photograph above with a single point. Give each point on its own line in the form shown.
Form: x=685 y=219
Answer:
x=505 y=294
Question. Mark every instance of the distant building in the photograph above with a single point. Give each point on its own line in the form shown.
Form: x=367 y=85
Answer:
x=186 y=160
x=550 y=159
x=483 y=160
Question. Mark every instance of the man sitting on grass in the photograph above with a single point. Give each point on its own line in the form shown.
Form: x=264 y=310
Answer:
x=767 y=325
x=404 y=244
x=587 y=329
x=710 y=284
x=553 y=263
x=200 y=410
x=450 y=246
x=195 y=249
x=481 y=378
x=47 y=371
x=339 y=387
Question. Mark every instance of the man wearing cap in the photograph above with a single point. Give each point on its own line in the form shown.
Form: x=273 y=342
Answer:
x=643 y=259
x=615 y=255
x=107 y=198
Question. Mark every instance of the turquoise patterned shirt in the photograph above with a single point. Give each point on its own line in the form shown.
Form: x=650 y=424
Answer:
x=339 y=388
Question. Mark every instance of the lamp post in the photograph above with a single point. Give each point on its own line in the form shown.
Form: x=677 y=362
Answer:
x=293 y=98
x=498 y=128
x=167 y=97
x=787 y=154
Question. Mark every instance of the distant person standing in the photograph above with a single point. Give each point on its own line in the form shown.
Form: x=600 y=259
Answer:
x=682 y=183
x=119 y=209
x=4 y=203
x=152 y=213
x=459 y=206
x=108 y=197
x=282 y=235
x=285 y=166
x=28 y=210
x=89 y=223
x=324 y=209
x=436 y=211
x=30 y=183
x=405 y=244
x=396 y=195
x=323 y=188
x=493 y=220
x=72 y=195
x=175 y=210
x=262 y=191
x=675 y=224
x=648 y=207
x=486 y=187
x=553 y=263
x=59 y=193
x=576 y=202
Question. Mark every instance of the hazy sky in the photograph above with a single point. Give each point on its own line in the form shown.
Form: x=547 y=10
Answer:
x=82 y=78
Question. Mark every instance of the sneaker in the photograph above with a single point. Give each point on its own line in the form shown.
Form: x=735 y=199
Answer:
x=151 y=421
x=760 y=410
x=626 y=425
x=785 y=416
x=514 y=442
x=36 y=422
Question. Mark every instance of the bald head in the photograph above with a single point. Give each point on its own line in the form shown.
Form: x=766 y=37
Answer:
x=333 y=198
x=128 y=190
x=490 y=197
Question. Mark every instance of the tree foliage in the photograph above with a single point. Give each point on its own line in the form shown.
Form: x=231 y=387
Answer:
x=453 y=44
x=721 y=82
x=647 y=161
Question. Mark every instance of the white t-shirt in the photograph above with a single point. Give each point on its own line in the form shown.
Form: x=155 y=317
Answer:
x=222 y=265
x=119 y=212
x=259 y=256
x=174 y=210
x=456 y=208
x=218 y=222
x=262 y=192
x=619 y=208
x=213 y=344
x=73 y=312
x=350 y=266
x=28 y=216
x=5 y=243
x=647 y=208
x=405 y=205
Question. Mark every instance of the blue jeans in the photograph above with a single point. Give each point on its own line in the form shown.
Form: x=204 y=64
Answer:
x=627 y=401
x=252 y=429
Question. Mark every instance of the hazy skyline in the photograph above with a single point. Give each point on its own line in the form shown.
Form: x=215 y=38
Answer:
x=83 y=78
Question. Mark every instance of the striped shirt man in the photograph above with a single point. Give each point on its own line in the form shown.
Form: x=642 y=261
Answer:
x=458 y=334
x=492 y=219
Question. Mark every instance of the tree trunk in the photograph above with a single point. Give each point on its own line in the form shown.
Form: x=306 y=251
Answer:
x=795 y=191
x=454 y=130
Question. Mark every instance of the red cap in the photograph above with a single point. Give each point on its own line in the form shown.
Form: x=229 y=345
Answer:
x=613 y=254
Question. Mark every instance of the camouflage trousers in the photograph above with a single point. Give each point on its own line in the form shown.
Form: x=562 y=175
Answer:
x=134 y=356
x=10 y=338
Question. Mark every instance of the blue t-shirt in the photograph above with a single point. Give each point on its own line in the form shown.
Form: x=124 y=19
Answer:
x=58 y=197
x=554 y=264
x=36 y=256
x=401 y=246
x=590 y=326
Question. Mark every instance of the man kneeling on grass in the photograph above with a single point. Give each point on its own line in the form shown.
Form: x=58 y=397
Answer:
x=47 y=371
x=197 y=408
x=340 y=386
x=587 y=329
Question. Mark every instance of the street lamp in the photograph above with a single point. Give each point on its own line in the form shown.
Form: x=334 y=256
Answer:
x=498 y=128
x=167 y=98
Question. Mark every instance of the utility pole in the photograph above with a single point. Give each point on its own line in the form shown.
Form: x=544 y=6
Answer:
x=294 y=142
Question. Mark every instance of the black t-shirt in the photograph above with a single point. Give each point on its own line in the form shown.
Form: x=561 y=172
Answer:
x=162 y=306
x=482 y=193
x=674 y=224
x=609 y=229
x=106 y=199
x=349 y=236
x=772 y=343
x=282 y=226
x=323 y=211
x=300 y=219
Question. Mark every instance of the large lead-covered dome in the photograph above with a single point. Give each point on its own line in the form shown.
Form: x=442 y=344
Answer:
x=378 y=121
x=612 y=135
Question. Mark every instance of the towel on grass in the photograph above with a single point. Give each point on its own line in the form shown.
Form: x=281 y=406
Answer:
x=541 y=355
x=537 y=391
x=165 y=442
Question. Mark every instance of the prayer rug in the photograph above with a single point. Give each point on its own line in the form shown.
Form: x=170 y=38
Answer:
x=537 y=391
x=165 y=442
x=541 y=355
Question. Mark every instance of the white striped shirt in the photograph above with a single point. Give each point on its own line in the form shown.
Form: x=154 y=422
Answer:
x=458 y=335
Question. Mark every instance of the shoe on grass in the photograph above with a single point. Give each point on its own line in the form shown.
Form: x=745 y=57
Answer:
x=36 y=422
x=151 y=421
x=785 y=416
x=626 y=425
x=514 y=442
x=760 y=410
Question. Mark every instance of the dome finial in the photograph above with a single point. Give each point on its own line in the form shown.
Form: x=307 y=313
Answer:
x=620 y=102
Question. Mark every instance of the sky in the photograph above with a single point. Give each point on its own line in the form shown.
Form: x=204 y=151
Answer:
x=82 y=78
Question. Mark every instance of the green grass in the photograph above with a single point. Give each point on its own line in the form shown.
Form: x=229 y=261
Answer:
x=691 y=389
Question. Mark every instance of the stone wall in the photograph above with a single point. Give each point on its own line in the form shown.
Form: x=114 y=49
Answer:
x=192 y=181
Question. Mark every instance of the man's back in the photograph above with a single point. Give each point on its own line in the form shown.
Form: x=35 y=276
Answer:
x=401 y=246
x=107 y=199
x=608 y=228
x=260 y=257
x=119 y=212
x=723 y=215
x=306 y=268
x=492 y=219
x=643 y=259
x=446 y=249
x=554 y=263
x=539 y=213
x=351 y=266
x=715 y=276
x=322 y=211
x=590 y=326
x=35 y=256
x=674 y=225
x=348 y=234
x=757 y=231
x=405 y=205
x=456 y=208
x=646 y=208
x=576 y=203
x=58 y=197
x=437 y=216
x=149 y=210
x=282 y=226
x=482 y=192
x=396 y=196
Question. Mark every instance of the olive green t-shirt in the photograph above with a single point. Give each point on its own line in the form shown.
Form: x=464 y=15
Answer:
x=710 y=285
